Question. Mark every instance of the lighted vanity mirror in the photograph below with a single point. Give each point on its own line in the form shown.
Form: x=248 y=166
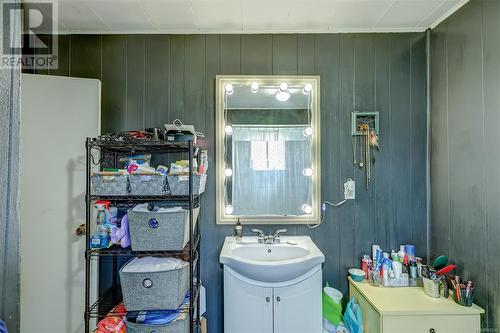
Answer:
x=267 y=147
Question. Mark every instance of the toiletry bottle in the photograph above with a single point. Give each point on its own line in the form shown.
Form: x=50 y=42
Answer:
x=238 y=231
x=385 y=271
x=100 y=239
x=394 y=256
x=195 y=165
x=375 y=247
x=401 y=253
x=366 y=264
x=410 y=251
x=413 y=270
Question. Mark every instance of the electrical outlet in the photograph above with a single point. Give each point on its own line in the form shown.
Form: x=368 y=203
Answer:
x=350 y=189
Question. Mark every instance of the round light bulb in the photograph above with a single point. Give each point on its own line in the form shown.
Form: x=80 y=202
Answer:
x=308 y=88
x=307 y=209
x=228 y=129
x=283 y=86
x=283 y=96
x=228 y=172
x=229 y=88
x=308 y=131
x=228 y=210
x=254 y=86
x=308 y=172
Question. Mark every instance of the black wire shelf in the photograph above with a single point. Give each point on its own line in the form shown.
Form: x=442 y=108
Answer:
x=134 y=146
x=106 y=306
x=117 y=251
x=140 y=198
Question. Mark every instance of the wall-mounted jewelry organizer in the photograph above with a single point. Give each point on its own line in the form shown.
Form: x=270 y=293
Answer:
x=364 y=118
x=365 y=140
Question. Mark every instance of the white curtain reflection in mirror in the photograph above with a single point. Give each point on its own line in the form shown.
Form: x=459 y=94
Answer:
x=267 y=155
x=268 y=170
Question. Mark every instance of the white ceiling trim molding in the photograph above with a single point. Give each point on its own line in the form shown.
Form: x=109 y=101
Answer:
x=240 y=32
x=448 y=14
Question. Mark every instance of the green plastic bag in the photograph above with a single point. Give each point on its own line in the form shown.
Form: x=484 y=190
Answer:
x=332 y=304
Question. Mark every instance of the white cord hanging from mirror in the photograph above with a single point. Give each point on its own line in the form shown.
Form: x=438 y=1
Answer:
x=323 y=212
x=349 y=194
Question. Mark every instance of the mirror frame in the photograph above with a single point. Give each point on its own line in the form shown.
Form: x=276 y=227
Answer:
x=221 y=81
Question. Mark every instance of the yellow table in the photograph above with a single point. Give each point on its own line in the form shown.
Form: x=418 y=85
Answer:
x=409 y=310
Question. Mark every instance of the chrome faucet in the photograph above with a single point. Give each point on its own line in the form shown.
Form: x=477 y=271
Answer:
x=276 y=236
x=269 y=239
x=260 y=235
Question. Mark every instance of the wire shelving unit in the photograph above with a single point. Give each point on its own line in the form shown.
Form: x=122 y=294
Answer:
x=109 y=149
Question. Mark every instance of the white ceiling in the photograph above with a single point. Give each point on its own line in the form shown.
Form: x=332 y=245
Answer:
x=251 y=16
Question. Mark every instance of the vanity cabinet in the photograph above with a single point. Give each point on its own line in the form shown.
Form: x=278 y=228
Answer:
x=248 y=308
x=297 y=307
x=408 y=309
x=289 y=307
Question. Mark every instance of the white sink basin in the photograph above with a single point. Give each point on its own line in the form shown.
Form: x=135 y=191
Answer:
x=288 y=260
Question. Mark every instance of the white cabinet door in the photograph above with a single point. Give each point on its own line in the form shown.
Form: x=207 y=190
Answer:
x=297 y=308
x=247 y=308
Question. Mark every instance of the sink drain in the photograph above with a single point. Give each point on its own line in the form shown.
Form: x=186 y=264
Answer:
x=268 y=250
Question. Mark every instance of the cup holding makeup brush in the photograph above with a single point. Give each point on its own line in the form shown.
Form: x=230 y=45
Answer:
x=463 y=291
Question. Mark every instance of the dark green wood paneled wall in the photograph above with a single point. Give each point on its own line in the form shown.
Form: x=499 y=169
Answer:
x=152 y=79
x=465 y=159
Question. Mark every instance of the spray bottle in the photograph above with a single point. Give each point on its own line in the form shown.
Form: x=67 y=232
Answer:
x=101 y=238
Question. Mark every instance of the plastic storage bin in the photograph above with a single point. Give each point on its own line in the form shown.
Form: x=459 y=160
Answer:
x=141 y=184
x=166 y=229
x=179 y=184
x=178 y=326
x=109 y=185
x=152 y=283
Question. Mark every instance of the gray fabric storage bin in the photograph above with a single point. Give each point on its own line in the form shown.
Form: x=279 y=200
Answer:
x=179 y=326
x=159 y=230
x=179 y=184
x=109 y=185
x=147 y=184
x=154 y=290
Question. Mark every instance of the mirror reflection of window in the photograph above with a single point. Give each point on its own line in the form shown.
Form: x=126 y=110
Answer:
x=268 y=170
x=267 y=155
x=276 y=155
